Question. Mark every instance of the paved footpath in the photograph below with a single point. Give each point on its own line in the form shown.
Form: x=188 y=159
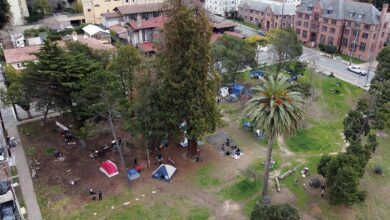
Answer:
x=25 y=180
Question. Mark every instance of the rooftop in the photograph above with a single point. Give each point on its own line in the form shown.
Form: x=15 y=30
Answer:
x=93 y=29
x=19 y=55
x=224 y=24
x=344 y=10
x=139 y=8
x=113 y=14
x=147 y=47
x=156 y=22
x=278 y=8
x=96 y=44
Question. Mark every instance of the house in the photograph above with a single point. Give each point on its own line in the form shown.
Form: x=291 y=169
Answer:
x=222 y=7
x=18 y=10
x=94 y=31
x=268 y=14
x=141 y=31
x=129 y=13
x=94 y=9
x=354 y=28
x=18 y=57
x=223 y=26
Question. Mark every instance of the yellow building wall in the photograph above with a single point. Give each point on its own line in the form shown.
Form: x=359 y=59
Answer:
x=93 y=9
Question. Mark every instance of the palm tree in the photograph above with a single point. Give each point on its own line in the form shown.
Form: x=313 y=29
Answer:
x=276 y=110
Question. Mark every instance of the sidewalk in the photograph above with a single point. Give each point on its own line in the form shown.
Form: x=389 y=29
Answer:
x=25 y=180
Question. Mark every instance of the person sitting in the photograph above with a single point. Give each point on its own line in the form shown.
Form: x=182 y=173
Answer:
x=223 y=147
x=159 y=158
x=57 y=154
x=228 y=142
x=238 y=152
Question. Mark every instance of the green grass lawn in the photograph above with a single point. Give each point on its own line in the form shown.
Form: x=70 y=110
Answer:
x=251 y=25
x=347 y=58
x=204 y=178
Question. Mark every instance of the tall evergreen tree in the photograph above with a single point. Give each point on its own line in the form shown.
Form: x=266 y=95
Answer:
x=188 y=87
x=5 y=13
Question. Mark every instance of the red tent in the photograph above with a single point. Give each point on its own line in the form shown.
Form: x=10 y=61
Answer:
x=109 y=168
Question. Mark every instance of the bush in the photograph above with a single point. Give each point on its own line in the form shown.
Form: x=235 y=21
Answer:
x=327 y=48
x=304 y=88
x=378 y=170
x=275 y=212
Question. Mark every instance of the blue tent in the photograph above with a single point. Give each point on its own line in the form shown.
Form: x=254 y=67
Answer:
x=132 y=174
x=237 y=89
x=164 y=172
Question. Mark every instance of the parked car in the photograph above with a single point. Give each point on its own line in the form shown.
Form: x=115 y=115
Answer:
x=357 y=69
x=261 y=33
x=257 y=74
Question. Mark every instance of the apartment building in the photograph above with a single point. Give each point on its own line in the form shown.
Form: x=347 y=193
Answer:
x=94 y=9
x=222 y=7
x=355 y=28
x=268 y=14
x=19 y=10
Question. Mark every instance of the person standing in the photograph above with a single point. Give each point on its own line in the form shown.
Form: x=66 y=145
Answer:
x=100 y=195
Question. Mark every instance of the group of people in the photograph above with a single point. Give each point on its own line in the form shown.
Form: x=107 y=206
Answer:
x=92 y=194
x=230 y=149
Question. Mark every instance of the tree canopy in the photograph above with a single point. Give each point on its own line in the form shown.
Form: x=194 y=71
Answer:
x=275 y=212
x=5 y=13
x=233 y=55
x=187 y=85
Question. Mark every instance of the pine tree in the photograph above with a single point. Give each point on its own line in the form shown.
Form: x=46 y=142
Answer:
x=5 y=13
x=188 y=86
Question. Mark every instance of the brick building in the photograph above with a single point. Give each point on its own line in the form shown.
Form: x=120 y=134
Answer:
x=268 y=14
x=352 y=27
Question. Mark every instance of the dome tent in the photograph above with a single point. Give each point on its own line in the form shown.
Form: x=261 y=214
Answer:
x=109 y=168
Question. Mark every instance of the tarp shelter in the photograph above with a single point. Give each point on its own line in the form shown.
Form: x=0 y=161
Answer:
x=238 y=90
x=132 y=174
x=224 y=91
x=109 y=168
x=164 y=172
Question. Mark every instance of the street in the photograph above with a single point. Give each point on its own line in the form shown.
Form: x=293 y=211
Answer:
x=324 y=64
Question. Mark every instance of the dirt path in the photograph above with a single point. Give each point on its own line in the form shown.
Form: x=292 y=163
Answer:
x=283 y=147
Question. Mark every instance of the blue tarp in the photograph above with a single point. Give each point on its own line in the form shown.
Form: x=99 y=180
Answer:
x=132 y=174
x=237 y=89
x=164 y=172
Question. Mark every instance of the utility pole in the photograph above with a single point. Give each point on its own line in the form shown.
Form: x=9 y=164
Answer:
x=353 y=47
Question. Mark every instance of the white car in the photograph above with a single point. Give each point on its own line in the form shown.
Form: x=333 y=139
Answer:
x=357 y=69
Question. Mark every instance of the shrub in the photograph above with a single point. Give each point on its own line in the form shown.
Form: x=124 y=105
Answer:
x=378 y=170
x=275 y=212
x=327 y=48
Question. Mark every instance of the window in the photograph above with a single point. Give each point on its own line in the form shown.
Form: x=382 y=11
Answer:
x=330 y=40
x=299 y=15
x=89 y=10
x=373 y=37
x=360 y=16
x=346 y=31
x=277 y=17
x=251 y=18
x=357 y=25
x=334 y=21
x=251 y=11
x=344 y=42
x=262 y=13
x=97 y=5
x=324 y=28
x=304 y=34
x=383 y=34
x=351 y=14
x=314 y=26
x=305 y=24
x=367 y=26
x=362 y=46
x=365 y=35
x=299 y=23
x=322 y=39
x=256 y=20
x=310 y=8
x=326 y=20
x=329 y=11
x=298 y=31
x=355 y=32
x=107 y=0
x=307 y=16
x=332 y=30
x=348 y=23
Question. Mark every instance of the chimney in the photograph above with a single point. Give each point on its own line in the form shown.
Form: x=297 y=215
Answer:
x=139 y=21
x=385 y=7
x=74 y=36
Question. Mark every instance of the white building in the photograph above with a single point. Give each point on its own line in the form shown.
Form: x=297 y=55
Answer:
x=19 y=10
x=221 y=7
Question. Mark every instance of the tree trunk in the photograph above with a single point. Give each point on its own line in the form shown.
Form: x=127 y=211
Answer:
x=192 y=148
x=45 y=113
x=112 y=127
x=29 y=113
x=265 y=197
x=16 y=112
